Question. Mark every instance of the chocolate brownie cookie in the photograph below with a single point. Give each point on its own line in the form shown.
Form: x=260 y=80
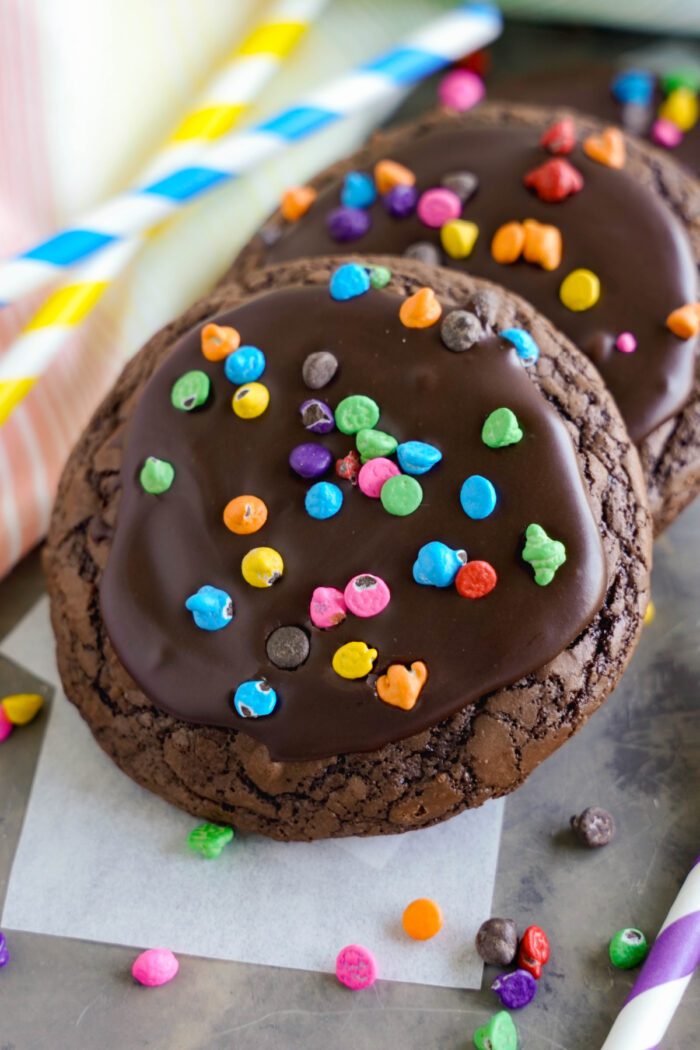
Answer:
x=636 y=228
x=267 y=644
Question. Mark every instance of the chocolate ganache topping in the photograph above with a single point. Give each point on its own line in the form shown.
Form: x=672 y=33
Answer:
x=616 y=226
x=172 y=541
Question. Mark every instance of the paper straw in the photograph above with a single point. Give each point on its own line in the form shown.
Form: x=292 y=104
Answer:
x=221 y=106
x=666 y=974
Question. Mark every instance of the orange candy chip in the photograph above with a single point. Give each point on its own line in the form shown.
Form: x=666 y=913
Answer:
x=389 y=173
x=685 y=321
x=401 y=686
x=422 y=919
x=218 y=341
x=245 y=514
x=607 y=148
x=536 y=241
x=296 y=201
x=420 y=310
x=508 y=243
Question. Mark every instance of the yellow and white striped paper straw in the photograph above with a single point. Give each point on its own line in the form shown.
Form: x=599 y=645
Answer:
x=220 y=107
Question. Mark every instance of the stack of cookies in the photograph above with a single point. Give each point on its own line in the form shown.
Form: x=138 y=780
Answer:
x=365 y=535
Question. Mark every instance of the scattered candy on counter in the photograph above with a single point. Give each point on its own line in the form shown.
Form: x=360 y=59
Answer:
x=463 y=183
x=356 y=967
x=389 y=173
x=516 y=989
x=154 y=967
x=373 y=444
x=497 y=941
x=218 y=341
x=4 y=951
x=649 y=613
x=461 y=330
x=21 y=708
x=685 y=321
x=533 y=951
x=476 y=579
x=594 y=827
x=501 y=429
x=437 y=564
x=555 y=180
x=425 y=252
x=544 y=554
x=244 y=365
x=262 y=566
x=328 y=607
x=310 y=460
x=209 y=840
x=251 y=401
x=478 y=497
x=287 y=647
x=255 y=699
x=356 y=412
x=401 y=201
x=401 y=495
x=681 y=108
x=628 y=948
x=608 y=148
x=6 y=726
x=156 y=476
x=354 y=660
x=358 y=190
x=348 y=468
x=211 y=608
x=366 y=595
x=665 y=133
x=420 y=310
x=323 y=500
x=460 y=90
x=499 y=1033
x=245 y=514
x=374 y=474
x=190 y=391
x=580 y=290
x=437 y=206
x=319 y=369
x=626 y=343
x=379 y=276
x=422 y=919
x=560 y=137
x=347 y=224
x=296 y=201
x=633 y=85
x=349 y=281
x=401 y=686
x=525 y=346
x=458 y=237
x=417 y=457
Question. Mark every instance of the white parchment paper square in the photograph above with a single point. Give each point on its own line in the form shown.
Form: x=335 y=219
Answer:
x=103 y=860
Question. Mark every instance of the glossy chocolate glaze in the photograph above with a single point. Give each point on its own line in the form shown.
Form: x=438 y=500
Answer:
x=166 y=547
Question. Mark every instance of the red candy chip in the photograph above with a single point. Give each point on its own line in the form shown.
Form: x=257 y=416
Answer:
x=356 y=967
x=476 y=579
x=560 y=137
x=348 y=467
x=555 y=180
x=534 y=951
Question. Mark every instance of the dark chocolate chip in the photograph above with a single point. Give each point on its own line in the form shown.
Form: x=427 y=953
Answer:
x=460 y=330
x=463 y=183
x=497 y=941
x=485 y=305
x=287 y=647
x=594 y=827
x=425 y=252
x=319 y=368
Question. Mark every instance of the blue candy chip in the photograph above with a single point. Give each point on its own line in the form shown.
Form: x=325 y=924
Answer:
x=525 y=346
x=417 y=457
x=255 y=699
x=211 y=608
x=358 y=190
x=478 y=497
x=437 y=564
x=634 y=85
x=349 y=281
x=245 y=365
x=323 y=500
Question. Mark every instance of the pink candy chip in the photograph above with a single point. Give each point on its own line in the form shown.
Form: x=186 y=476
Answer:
x=6 y=725
x=374 y=473
x=665 y=133
x=437 y=206
x=356 y=967
x=460 y=90
x=626 y=343
x=367 y=595
x=328 y=607
x=154 y=967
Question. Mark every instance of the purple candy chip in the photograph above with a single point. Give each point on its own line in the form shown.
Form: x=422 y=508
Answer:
x=4 y=951
x=516 y=989
x=348 y=224
x=310 y=460
x=401 y=201
x=317 y=416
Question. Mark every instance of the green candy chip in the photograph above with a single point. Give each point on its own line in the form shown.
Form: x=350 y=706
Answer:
x=374 y=443
x=379 y=276
x=190 y=391
x=628 y=948
x=156 y=476
x=544 y=554
x=501 y=428
x=209 y=839
x=681 y=78
x=401 y=495
x=499 y=1033
x=355 y=413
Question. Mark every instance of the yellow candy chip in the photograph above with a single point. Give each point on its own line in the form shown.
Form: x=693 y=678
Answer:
x=251 y=400
x=458 y=237
x=649 y=613
x=354 y=660
x=681 y=107
x=21 y=708
x=580 y=290
x=262 y=566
